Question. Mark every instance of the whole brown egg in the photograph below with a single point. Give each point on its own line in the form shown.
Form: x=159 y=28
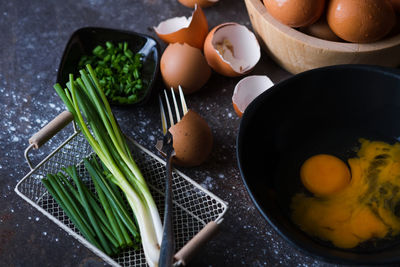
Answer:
x=360 y=21
x=184 y=65
x=295 y=13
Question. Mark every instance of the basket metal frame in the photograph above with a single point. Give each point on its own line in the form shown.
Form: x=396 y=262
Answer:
x=80 y=238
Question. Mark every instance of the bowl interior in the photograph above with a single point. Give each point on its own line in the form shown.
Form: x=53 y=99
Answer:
x=390 y=40
x=324 y=110
x=297 y=52
x=84 y=40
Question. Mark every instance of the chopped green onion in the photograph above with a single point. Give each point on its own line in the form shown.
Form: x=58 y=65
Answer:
x=115 y=66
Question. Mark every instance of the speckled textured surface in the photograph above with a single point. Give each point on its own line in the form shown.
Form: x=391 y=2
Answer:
x=33 y=36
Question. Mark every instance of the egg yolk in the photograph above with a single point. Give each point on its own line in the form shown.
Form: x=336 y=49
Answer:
x=368 y=208
x=324 y=174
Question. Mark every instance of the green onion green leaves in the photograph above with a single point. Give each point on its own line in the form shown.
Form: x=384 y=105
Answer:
x=86 y=100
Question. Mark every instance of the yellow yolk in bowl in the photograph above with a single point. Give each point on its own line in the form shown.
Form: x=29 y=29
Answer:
x=324 y=174
x=368 y=208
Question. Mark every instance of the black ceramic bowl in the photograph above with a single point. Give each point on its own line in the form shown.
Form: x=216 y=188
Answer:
x=324 y=110
x=84 y=40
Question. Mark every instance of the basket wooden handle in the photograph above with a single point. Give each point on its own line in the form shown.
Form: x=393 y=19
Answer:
x=53 y=127
x=184 y=255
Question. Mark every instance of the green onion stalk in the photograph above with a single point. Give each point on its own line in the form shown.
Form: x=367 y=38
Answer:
x=87 y=102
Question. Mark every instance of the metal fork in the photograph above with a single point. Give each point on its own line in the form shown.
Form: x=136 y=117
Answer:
x=166 y=147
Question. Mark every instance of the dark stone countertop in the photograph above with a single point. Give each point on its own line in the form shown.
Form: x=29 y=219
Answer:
x=33 y=36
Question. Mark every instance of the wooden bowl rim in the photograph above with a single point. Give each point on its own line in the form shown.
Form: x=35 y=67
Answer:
x=318 y=43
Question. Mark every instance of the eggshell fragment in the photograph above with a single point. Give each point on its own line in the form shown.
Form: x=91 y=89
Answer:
x=192 y=140
x=231 y=49
x=192 y=30
x=247 y=89
x=202 y=3
x=182 y=64
x=360 y=21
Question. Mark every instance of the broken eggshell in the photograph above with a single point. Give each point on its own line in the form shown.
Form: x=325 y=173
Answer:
x=192 y=140
x=184 y=65
x=231 y=49
x=202 y=3
x=247 y=89
x=192 y=30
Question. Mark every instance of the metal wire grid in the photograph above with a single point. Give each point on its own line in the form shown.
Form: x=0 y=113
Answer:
x=193 y=206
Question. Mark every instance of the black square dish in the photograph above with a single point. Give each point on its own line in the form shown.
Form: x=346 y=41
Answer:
x=84 y=40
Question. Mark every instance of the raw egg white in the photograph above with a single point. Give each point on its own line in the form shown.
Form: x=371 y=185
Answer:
x=231 y=49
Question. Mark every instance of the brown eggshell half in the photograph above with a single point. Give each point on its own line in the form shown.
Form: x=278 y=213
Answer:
x=360 y=21
x=245 y=49
x=192 y=30
x=247 y=89
x=202 y=3
x=192 y=140
x=184 y=65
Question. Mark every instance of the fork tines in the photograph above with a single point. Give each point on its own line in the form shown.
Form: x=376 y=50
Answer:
x=178 y=110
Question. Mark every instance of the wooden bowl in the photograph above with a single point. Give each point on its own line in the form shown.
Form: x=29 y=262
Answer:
x=297 y=52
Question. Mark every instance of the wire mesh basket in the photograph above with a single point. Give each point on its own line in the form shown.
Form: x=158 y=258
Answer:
x=197 y=212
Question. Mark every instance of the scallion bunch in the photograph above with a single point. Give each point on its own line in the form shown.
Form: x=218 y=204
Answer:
x=87 y=102
x=102 y=218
